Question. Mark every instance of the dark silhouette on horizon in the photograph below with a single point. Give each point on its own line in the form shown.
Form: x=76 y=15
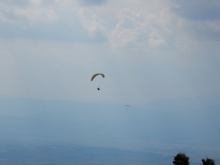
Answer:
x=208 y=162
x=181 y=159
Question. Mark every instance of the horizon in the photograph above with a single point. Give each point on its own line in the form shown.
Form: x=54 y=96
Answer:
x=158 y=115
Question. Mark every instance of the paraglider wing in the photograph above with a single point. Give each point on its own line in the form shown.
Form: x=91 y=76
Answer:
x=128 y=106
x=97 y=75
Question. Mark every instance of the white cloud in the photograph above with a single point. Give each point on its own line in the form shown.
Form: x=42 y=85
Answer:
x=121 y=37
x=33 y=14
x=156 y=40
x=135 y=26
x=199 y=10
x=92 y=2
x=214 y=26
x=33 y=11
x=126 y=31
x=91 y=23
x=127 y=25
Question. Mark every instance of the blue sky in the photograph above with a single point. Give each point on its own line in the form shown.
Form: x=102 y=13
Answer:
x=148 y=50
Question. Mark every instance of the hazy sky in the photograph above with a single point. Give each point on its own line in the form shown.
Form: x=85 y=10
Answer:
x=148 y=50
x=163 y=55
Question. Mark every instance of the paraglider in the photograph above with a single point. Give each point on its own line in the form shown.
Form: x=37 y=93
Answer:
x=94 y=76
x=128 y=106
x=97 y=75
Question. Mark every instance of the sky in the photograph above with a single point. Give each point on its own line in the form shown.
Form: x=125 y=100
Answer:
x=148 y=50
x=161 y=57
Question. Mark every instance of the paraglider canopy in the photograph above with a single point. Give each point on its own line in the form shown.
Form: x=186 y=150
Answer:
x=128 y=106
x=101 y=74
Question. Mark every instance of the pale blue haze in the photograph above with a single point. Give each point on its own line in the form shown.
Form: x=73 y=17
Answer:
x=161 y=57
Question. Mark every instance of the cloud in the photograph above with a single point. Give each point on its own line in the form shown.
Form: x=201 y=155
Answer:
x=92 y=24
x=14 y=3
x=122 y=27
x=127 y=24
x=136 y=27
x=61 y=31
x=92 y=2
x=196 y=21
x=156 y=40
x=126 y=30
x=27 y=11
x=196 y=31
x=215 y=26
x=45 y=20
x=198 y=9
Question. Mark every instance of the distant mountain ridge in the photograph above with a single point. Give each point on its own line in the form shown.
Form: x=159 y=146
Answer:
x=192 y=122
